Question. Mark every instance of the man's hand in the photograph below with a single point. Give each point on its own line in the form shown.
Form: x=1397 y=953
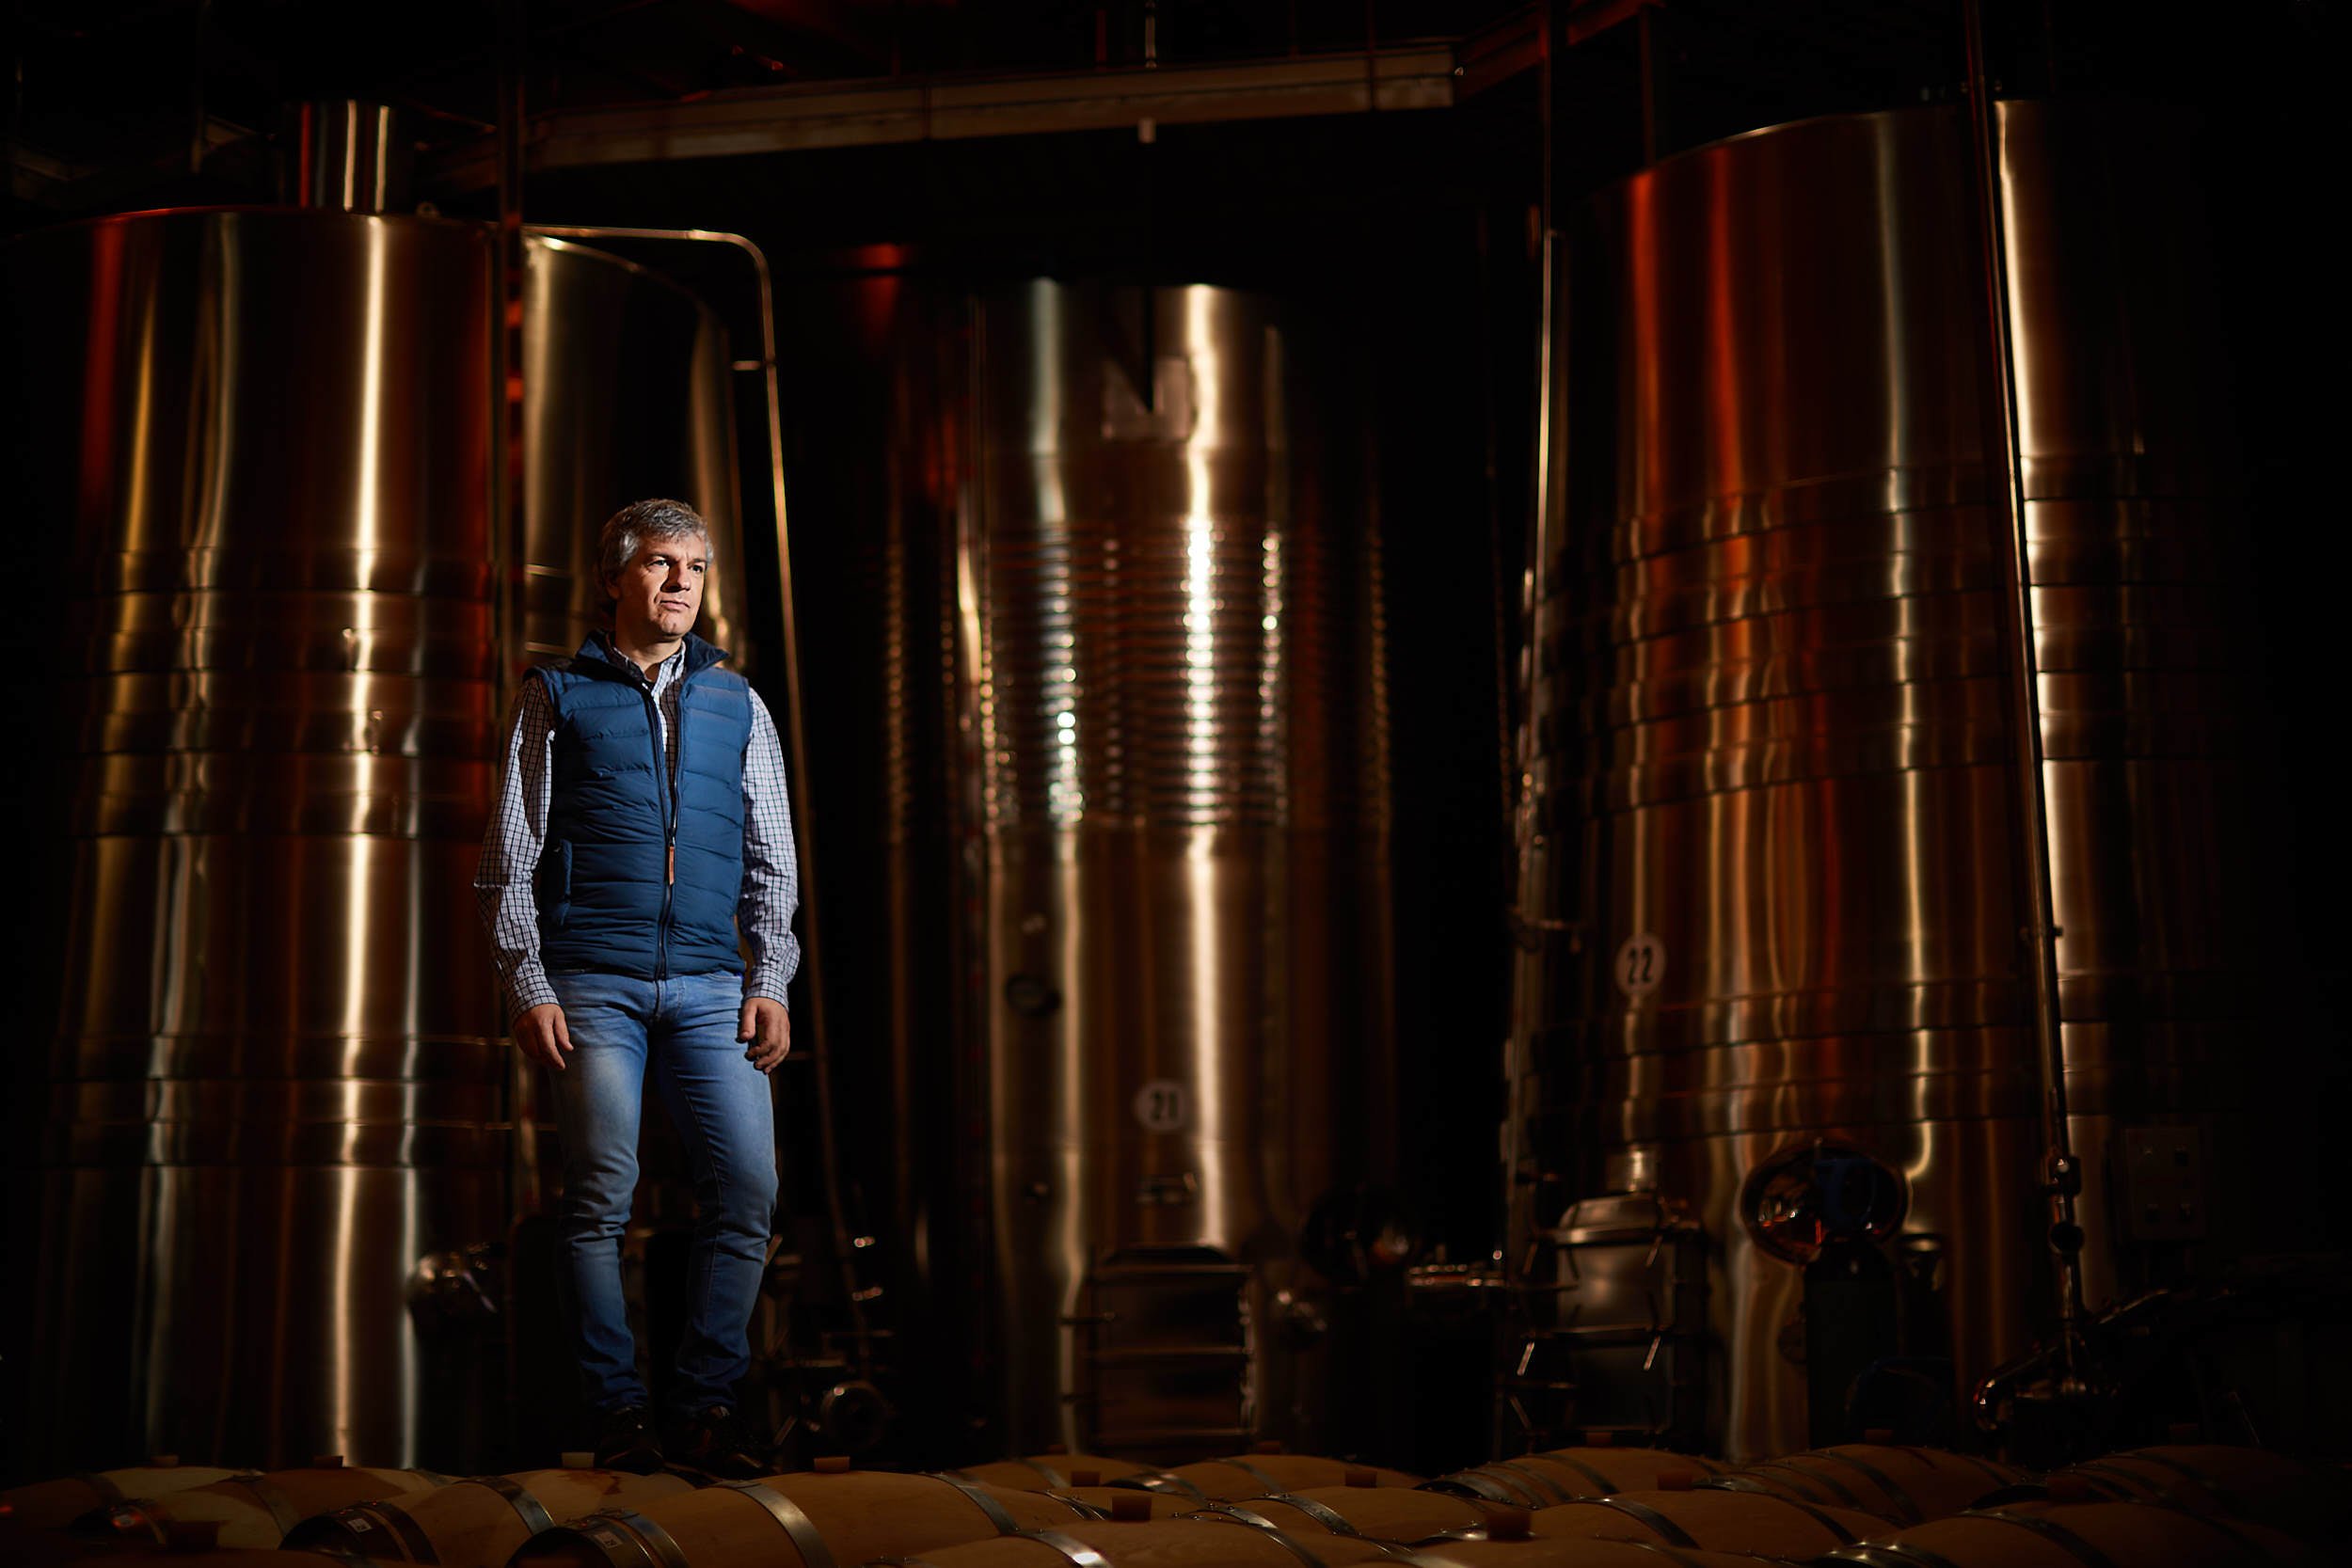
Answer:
x=541 y=1034
x=767 y=1029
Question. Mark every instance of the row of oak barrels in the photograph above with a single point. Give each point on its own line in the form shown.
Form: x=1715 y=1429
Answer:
x=1877 y=1505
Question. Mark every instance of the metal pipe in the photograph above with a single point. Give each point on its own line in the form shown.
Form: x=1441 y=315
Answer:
x=199 y=141
x=506 y=490
x=1532 y=925
x=2061 y=1174
x=795 y=732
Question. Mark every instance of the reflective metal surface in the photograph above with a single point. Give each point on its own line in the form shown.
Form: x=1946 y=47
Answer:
x=627 y=393
x=270 y=1092
x=1172 y=683
x=349 y=157
x=276 y=1089
x=1767 y=810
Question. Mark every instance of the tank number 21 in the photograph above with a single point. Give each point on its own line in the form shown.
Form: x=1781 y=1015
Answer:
x=1162 y=1106
x=1641 y=964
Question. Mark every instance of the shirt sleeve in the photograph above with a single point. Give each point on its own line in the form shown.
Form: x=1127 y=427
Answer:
x=772 y=870
x=510 y=852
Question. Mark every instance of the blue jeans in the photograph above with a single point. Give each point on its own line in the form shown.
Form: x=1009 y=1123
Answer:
x=683 y=1030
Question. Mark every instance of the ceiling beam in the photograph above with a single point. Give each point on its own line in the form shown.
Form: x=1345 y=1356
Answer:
x=904 y=109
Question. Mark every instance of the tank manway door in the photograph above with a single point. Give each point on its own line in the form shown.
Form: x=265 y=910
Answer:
x=1612 y=1321
x=1162 y=1353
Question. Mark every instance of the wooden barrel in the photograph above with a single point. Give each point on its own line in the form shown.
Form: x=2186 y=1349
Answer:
x=2082 y=1535
x=1392 y=1513
x=1570 y=1554
x=1050 y=1472
x=25 y=1546
x=1908 y=1486
x=479 y=1522
x=1722 y=1521
x=52 y=1504
x=779 y=1521
x=1159 y=1543
x=1603 y=1471
x=1126 y=1503
x=2314 y=1501
x=256 y=1509
x=1561 y=1475
x=1258 y=1475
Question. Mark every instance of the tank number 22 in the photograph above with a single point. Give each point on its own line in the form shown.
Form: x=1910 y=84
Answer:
x=1641 y=964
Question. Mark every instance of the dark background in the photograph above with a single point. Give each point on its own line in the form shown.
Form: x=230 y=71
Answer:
x=1409 y=238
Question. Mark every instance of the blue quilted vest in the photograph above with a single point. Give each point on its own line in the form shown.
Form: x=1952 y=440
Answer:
x=608 y=899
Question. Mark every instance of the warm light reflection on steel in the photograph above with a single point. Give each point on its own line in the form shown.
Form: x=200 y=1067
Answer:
x=1769 y=719
x=275 y=474
x=275 y=1085
x=627 y=394
x=1171 y=608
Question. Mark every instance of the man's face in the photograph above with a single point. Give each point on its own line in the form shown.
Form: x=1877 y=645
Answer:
x=658 y=594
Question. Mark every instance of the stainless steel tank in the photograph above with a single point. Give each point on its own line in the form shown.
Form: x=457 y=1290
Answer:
x=1171 y=644
x=1770 y=837
x=267 y=437
x=628 y=392
x=278 y=1082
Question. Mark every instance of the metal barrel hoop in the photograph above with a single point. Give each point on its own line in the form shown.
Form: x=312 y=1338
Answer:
x=797 y=1527
x=2190 y=1473
x=1671 y=1553
x=1291 y=1544
x=397 y=1522
x=2220 y=1526
x=528 y=1509
x=2113 y=1483
x=1248 y=1516
x=1322 y=1513
x=1585 y=1470
x=281 y=1508
x=1889 y=1554
x=1006 y=1524
x=1842 y=1494
x=620 y=1545
x=1077 y=1552
x=1883 y=1481
x=1648 y=1517
x=1992 y=1471
x=2052 y=1531
x=1271 y=1485
x=1843 y=1536
x=1481 y=1484
x=1543 y=1484
x=1166 y=1482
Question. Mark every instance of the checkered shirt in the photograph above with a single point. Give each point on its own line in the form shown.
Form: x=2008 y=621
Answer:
x=519 y=832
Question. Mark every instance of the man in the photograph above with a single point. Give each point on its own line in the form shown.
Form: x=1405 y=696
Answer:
x=641 y=827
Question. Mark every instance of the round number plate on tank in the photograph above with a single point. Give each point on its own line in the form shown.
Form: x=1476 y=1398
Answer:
x=1641 y=964
x=1162 y=1106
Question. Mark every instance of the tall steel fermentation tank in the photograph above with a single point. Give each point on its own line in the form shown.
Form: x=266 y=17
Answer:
x=629 y=392
x=1171 y=683
x=1771 y=836
x=267 y=439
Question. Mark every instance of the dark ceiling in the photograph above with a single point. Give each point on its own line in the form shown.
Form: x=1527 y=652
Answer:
x=125 y=103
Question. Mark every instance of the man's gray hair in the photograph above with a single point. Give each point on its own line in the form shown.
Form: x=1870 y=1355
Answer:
x=628 y=530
